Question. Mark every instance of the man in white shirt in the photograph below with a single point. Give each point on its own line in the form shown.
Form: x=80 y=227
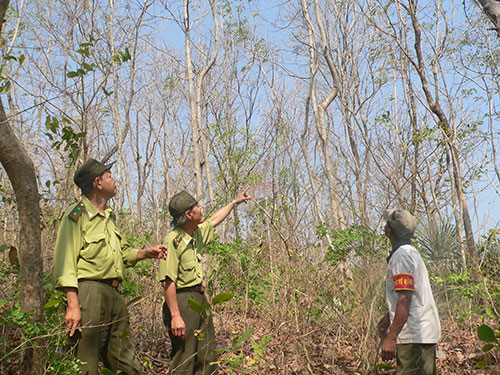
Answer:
x=411 y=329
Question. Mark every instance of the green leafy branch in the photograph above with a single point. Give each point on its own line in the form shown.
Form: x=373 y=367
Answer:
x=5 y=82
x=119 y=58
x=235 y=360
x=62 y=134
x=230 y=357
x=491 y=339
x=84 y=68
x=487 y=335
x=218 y=299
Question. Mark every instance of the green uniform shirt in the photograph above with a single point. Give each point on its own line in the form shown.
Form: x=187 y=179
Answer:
x=89 y=246
x=183 y=263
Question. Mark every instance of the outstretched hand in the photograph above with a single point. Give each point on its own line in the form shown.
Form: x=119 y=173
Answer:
x=243 y=196
x=221 y=214
x=157 y=252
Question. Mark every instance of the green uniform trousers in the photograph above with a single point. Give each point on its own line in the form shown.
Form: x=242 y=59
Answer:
x=196 y=354
x=416 y=359
x=105 y=330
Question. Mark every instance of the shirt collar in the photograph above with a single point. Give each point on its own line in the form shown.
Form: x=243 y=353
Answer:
x=92 y=210
x=185 y=235
x=396 y=246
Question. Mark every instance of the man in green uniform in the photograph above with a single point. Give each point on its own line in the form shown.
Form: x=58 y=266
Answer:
x=89 y=262
x=192 y=334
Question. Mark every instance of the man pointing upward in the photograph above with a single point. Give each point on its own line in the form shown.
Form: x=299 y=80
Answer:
x=192 y=335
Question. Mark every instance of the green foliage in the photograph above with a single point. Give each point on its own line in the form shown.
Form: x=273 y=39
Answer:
x=466 y=297
x=195 y=305
x=440 y=244
x=385 y=119
x=5 y=81
x=459 y=283
x=207 y=309
x=138 y=241
x=238 y=362
x=233 y=357
x=222 y=297
x=487 y=334
x=62 y=134
x=355 y=242
x=489 y=252
x=84 y=68
x=385 y=366
x=425 y=133
x=240 y=269
x=122 y=56
x=491 y=339
x=18 y=330
x=131 y=288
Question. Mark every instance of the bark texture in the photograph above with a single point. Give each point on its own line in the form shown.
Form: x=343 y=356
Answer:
x=21 y=172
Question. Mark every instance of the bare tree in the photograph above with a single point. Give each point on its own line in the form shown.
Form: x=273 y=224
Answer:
x=444 y=125
x=318 y=50
x=195 y=85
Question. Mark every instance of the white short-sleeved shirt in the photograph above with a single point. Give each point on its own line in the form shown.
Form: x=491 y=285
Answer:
x=406 y=271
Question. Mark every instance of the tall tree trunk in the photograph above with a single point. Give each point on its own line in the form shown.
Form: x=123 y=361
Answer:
x=199 y=100
x=310 y=169
x=192 y=104
x=319 y=109
x=21 y=172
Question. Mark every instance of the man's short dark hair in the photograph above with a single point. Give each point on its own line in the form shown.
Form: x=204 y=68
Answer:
x=88 y=188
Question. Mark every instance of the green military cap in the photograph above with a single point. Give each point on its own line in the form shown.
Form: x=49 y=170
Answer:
x=90 y=170
x=180 y=203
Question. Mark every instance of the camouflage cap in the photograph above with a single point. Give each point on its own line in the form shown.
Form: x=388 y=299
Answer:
x=90 y=170
x=401 y=222
x=180 y=203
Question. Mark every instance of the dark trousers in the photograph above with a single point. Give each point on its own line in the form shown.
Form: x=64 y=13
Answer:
x=105 y=330
x=416 y=359
x=196 y=354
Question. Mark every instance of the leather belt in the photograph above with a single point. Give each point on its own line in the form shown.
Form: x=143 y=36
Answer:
x=196 y=288
x=111 y=282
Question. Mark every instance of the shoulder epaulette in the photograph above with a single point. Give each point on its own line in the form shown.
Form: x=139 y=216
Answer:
x=77 y=212
x=177 y=240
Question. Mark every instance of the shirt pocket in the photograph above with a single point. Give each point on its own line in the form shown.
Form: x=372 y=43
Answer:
x=188 y=272
x=94 y=246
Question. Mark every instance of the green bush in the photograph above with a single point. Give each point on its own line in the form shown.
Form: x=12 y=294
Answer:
x=357 y=243
x=20 y=332
x=240 y=269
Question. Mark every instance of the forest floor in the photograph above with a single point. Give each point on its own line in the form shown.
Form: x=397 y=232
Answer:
x=320 y=352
